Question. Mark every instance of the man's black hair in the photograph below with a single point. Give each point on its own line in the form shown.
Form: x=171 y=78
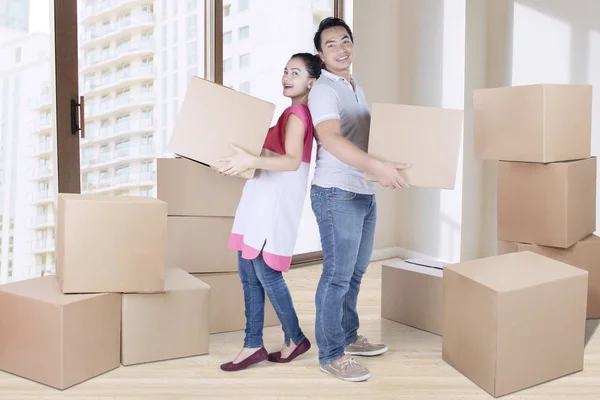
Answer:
x=327 y=23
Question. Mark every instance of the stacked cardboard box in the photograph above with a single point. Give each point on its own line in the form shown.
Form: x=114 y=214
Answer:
x=201 y=209
x=541 y=137
x=111 y=300
x=516 y=320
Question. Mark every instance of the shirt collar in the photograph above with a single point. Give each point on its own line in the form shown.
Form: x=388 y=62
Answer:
x=336 y=78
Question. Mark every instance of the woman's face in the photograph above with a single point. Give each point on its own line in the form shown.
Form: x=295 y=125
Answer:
x=296 y=81
x=337 y=49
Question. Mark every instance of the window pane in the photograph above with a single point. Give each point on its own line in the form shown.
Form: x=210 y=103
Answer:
x=27 y=140
x=135 y=76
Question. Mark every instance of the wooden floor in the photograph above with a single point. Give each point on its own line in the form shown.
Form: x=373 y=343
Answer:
x=412 y=369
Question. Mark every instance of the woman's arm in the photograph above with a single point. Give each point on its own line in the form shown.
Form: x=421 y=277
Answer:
x=294 y=149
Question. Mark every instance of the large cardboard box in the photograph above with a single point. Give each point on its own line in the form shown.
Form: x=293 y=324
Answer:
x=192 y=189
x=584 y=254
x=427 y=138
x=199 y=244
x=110 y=243
x=227 y=303
x=162 y=326
x=56 y=339
x=212 y=117
x=514 y=321
x=546 y=204
x=412 y=294
x=533 y=123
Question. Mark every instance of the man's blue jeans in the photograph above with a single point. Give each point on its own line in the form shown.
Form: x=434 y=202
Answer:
x=347 y=226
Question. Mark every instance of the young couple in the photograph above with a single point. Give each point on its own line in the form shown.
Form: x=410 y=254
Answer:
x=323 y=95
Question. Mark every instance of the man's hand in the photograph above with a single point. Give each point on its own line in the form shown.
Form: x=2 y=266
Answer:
x=237 y=163
x=387 y=174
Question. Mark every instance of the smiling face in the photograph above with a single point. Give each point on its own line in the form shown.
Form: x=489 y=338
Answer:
x=337 y=50
x=296 y=80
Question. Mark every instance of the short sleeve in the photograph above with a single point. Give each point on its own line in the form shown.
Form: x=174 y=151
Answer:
x=323 y=104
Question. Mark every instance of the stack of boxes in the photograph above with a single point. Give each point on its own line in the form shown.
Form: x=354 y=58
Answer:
x=518 y=319
x=112 y=300
x=201 y=209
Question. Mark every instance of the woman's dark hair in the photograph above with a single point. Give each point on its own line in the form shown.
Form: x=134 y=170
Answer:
x=312 y=63
x=327 y=23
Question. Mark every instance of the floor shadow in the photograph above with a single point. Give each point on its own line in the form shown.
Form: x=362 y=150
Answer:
x=590 y=329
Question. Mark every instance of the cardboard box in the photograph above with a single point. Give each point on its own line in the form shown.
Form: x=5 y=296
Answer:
x=192 y=189
x=162 y=326
x=206 y=126
x=110 y=243
x=412 y=294
x=427 y=138
x=199 y=244
x=56 y=339
x=501 y=316
x=533 y=123
x=584 y=255
x=546 y=204
x=227 y=303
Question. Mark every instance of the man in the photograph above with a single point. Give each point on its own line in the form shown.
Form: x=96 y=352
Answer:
x=343 y=202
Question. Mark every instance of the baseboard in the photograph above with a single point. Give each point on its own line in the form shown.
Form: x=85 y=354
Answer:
x=384 y=254
x=407 y=254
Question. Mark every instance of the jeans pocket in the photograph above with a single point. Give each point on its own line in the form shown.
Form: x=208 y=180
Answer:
x=341 y=195
x=316 y=203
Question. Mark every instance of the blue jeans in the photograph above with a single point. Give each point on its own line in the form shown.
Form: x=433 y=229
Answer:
x=257 y=277
x=347 y=226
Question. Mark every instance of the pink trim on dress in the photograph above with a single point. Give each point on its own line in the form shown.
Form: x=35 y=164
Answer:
x=277 y=262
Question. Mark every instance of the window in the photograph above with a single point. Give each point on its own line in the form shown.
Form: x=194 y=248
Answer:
x=175 y=108
x=18 y=55
x=147 y=140
x=228 y=65
x=245 y=87
x=173 y=5
x=148 y=192
x=227 y=10
x=165 y=38
x=164 y=114
x=175 y=84
x=175 y=33
x=192 y=5
x=175 y=57
x=245 y=60
x=192 y=26
x=228 y=37
x=244 y=32
x=192 y=53
x=147 y=113
x=242 y=5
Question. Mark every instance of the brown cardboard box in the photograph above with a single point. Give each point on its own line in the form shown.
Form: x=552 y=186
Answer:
x=162 y=326
x=192 y=189
x=547 y=204
x=199 y=244
x=227 y=303
x=533 y=123
x=425 y=137
x=110 y=243
x=584 y=254
x=514 y=321
x=412 y=294
x=56 y=339
x=212 y=117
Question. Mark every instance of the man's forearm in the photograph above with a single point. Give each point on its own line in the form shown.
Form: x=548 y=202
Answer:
x=347 y=152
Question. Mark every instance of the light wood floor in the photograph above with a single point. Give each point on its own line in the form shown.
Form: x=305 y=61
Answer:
x=412 y=369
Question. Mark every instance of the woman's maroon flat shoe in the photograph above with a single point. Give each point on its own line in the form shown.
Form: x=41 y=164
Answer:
x=260 y=356
x=302 y=348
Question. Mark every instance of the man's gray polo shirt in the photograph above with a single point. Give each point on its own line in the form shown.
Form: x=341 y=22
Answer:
x=332 y=97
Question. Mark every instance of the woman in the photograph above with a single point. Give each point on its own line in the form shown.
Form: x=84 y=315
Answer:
x=268 y=216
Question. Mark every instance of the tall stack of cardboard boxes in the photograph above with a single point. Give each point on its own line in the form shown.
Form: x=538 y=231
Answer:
x=516 y=320
x=112 y=300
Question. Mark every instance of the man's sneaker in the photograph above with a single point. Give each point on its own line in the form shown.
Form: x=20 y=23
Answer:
x=362 y=347
x=347 y=370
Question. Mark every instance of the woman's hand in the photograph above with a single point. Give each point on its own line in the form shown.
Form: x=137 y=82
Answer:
x=238 y=163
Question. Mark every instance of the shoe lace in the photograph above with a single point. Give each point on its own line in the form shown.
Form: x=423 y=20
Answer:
x=348 y=363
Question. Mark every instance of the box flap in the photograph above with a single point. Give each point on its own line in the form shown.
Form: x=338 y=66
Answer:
x=515 y=271
x=178 y=279
x=44 y=289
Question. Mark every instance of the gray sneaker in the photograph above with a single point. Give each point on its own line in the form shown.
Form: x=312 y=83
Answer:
x=347 y=370
x=362 y=347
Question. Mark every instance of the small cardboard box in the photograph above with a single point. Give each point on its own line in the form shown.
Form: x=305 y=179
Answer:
x=533 y=123
x=227 y=303
x=199 y=244
x=514 y=321
x=162 y=326
x=584 y=254
x=427 y=138
x=206 y=124
x=56 y=339
x=110 y=243
x=412 y=294
x=192 y=189
x=546 y=204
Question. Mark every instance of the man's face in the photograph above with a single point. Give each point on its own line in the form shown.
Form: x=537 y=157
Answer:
x=337 y=49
